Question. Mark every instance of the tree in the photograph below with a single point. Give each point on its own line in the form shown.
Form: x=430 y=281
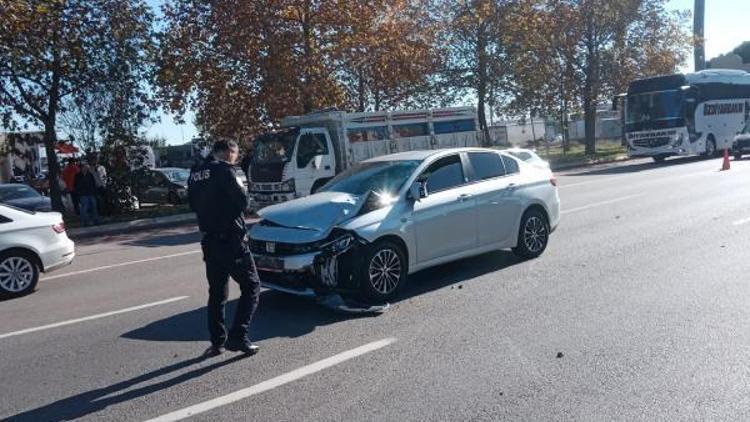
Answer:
x=743 y=50
x=579 y=51
x=476 y=50
x=54 y=50
x=243 y=65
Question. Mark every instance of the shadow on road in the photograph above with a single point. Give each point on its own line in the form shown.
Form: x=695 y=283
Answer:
x=94 y=401
x=287 y=316
x=167 y=240
x=635 y=168
x=456 y=272
x=278 y=315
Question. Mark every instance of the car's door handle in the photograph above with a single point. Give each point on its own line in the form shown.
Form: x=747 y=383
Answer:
x=463 y=197
x=327 y=167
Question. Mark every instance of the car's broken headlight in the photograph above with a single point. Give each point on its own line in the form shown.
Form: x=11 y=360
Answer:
x=339 y=245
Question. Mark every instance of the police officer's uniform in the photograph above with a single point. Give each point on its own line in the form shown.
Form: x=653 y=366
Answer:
x=219 y=202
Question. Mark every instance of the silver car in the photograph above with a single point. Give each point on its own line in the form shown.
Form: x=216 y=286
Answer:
x=385 y=218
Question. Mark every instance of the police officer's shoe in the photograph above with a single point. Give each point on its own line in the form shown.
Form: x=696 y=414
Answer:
x=242 y=346
x=213 y=351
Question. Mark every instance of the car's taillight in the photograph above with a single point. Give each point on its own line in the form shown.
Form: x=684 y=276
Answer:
x=59 y=227
x=553 y=180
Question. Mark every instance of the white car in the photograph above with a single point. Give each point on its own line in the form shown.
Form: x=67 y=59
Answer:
x=387 y=217
x=30 y=243
x=529 y=156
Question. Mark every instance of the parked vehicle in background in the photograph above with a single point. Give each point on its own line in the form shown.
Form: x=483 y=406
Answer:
x=30 y=243
x=24 y=196
x=392 y=215
x=528 y=156
x=167 y=185
x=742 y=141
x=696 y=113
x=311 y=149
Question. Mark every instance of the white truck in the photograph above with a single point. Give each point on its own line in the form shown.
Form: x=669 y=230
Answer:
x=310 y=149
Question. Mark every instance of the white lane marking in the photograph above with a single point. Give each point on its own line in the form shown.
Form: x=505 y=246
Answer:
x=741 y=222
x=121 y=264
x=589 y=182
x=273 y=382
x=599 y=204
x=89 y=318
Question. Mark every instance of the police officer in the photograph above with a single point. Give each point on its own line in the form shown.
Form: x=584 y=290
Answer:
x=219 y=202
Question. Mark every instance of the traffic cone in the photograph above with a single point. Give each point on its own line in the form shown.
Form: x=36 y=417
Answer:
x=725 y=164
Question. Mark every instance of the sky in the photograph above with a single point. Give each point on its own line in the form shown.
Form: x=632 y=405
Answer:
x=727 y=24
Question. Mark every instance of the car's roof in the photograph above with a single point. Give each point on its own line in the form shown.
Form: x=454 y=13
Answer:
x=422 y=155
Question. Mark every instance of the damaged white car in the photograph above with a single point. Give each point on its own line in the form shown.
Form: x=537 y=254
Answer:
x=385 y=218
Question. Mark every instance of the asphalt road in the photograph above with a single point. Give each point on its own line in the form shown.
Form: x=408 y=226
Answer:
x=638 y=310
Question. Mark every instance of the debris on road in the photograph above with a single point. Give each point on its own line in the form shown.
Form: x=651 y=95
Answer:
x=560 y=355
x=337 y=303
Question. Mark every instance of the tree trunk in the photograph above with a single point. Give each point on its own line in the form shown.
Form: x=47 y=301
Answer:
x=589 y=99
x=307 y=104
x=361 y=91
x=481 y=88
x=50 y=136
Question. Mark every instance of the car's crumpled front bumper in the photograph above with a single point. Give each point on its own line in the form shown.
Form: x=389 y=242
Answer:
x=311 y=274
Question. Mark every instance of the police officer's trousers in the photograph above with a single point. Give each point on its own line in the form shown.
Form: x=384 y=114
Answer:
x=229 y=256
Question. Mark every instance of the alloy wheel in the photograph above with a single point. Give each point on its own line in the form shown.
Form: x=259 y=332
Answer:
x=535 y=234
x=385 y=271
x=16 y=274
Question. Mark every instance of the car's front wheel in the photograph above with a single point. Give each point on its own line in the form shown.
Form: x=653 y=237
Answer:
x=533 y=235
x=383 y=272
x=18 y=274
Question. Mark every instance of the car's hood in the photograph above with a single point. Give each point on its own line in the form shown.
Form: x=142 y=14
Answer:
x=319 y=212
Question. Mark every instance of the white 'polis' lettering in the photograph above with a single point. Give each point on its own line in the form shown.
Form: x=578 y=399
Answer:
x=200 y=176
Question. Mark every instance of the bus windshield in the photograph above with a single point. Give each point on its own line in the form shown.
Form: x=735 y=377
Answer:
x=274 y=147
x=654 y=106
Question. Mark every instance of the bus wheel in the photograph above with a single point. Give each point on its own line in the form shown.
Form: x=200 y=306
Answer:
x=710 y=146
x=659 y=158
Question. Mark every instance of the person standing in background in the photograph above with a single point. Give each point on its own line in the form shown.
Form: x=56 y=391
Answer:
x=69 y=174
x=85 y=189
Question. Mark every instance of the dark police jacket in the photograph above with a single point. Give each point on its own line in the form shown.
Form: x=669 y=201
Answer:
x=217 y=199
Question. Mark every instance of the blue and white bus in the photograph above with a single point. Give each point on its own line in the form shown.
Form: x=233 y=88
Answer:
x=695 y=113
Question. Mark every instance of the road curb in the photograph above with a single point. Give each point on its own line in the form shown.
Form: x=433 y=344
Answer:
x=131 y=226
x=582 y=164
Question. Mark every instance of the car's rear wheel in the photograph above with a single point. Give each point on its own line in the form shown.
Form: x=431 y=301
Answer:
x=737 y=156
x=19 y=274
x=533 y=234
x=383 y=272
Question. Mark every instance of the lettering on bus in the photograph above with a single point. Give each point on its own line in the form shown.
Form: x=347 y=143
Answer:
x=724 y=108
x=651 y=134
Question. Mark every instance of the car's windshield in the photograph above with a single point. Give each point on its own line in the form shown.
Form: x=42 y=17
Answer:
x=10 y=192
x=177 y=175
x=654 y=106
x=379 y=176
x=274 y=147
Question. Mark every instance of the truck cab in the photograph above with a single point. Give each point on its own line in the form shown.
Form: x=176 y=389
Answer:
x=290 y=163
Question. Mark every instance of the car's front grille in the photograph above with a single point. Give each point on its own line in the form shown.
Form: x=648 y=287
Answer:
x=297 y=281
x=652 y=142
x=279 y=249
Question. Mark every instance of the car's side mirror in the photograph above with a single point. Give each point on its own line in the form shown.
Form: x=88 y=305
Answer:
x=417 y=191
